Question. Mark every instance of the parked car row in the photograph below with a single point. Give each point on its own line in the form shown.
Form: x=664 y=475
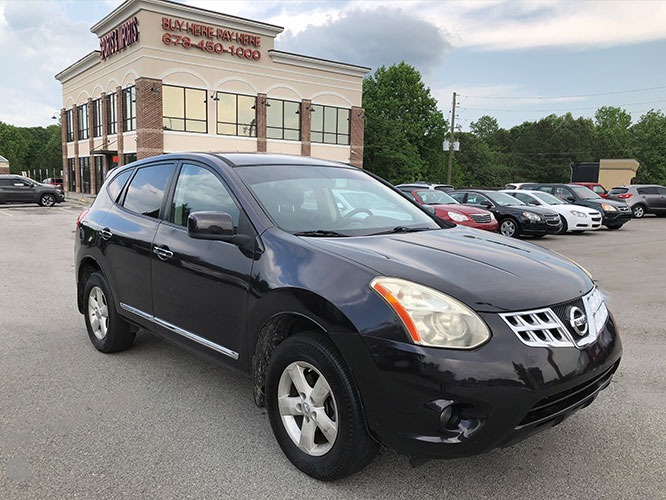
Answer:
x=19 y=189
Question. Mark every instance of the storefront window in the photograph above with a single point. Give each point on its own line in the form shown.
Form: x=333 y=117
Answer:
x=283 y=120
x=82 y=116
x=69 y=121
x=99 y=172
x=184 y=109
x=129 y=158
x=236 y=114
x=71 y=167
x=97 y=117
x=330 y=125
x=111 y=114
x=84 y=174
x=129 y=109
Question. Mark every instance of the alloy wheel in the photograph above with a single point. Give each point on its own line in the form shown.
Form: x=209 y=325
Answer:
x=98 y=312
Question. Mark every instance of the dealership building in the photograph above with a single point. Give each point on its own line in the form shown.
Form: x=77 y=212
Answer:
x=170 y=77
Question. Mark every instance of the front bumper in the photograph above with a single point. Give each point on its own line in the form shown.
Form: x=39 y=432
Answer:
x=539 y=228
x=502 y=392
x=616 y=218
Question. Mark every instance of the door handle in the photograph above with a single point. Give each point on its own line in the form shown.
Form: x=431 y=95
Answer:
x=162 y=253
x=105 y=233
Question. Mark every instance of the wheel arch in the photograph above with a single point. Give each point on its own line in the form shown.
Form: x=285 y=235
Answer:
x=87 y=267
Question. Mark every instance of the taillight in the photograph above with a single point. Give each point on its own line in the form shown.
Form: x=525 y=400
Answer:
x=80 y=218
x=625 y=196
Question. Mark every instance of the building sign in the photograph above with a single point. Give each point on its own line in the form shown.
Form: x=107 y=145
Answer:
x=206 y=38
x=116 y=40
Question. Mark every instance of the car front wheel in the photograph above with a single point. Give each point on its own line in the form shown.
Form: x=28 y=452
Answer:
x=108 y=332
x=47 y=200
x=509 y=227
x=315 y=409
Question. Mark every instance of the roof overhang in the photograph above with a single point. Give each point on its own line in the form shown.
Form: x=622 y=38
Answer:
x=318 y=64
x=83 y=64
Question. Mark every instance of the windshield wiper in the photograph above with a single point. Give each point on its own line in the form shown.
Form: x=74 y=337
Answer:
x=320 y=232
x=404 y=229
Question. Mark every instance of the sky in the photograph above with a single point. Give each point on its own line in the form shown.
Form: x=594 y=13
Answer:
x=511 y=59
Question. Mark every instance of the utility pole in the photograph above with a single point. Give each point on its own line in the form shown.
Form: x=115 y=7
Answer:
x=453 y=124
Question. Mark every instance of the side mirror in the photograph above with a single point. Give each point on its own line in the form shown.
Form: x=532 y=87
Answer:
x=210 y=226
x=570 y=199
x=430 y=209
x=486 y=204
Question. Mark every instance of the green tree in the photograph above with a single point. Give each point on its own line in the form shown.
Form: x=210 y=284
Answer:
x=649 y=147
x=613 y=134
x=14 y=147
x=404 y=130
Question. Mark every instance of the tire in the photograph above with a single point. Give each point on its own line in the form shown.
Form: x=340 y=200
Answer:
x=47 y=200
x=509 y=227
x=638 y=211
x=107 y=330
x=565 y=226
x=324 y=413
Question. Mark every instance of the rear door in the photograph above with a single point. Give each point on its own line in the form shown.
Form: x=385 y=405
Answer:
x=660 y=202
x=649 y=196
x=200 y=287
x=21 y=190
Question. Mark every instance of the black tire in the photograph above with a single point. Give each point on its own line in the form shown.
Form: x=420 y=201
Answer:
x=509 y=227
x=314 y=356
x=107 y=330
x=638 y=211
x=565 y=226
x=47 y=200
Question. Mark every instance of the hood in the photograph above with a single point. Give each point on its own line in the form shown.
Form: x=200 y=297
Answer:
x=533 y=208
x=457 y=207
x=488 y=272
x=599 y=201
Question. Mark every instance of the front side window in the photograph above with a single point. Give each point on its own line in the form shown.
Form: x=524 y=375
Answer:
x=129 y=109
x=199 y=190
x=82 y=116
x=330 y=125
x=184 y=109
x=146 y=190
x=111 y=114
x=283 y=120
x=236 y=114
x=116 y=185
x=476 y=199
x=647 y=190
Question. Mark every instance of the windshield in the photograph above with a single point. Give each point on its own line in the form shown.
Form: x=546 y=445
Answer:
x=432 y=197
x=331 y=201
x=548 y=198
x=503 y=199
x=584 y=193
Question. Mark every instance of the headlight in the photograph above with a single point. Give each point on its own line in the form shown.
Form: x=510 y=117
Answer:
x=430 y=317
x=576 y=213
x=532 y=216
x=457 y=217
x=608 y=208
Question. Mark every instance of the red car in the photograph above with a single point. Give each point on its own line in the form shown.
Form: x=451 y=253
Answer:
x=449 y=209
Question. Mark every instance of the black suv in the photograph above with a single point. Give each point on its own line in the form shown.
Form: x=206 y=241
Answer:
x=19 y=189
x=515 y=217
x=614 y=214
x=379 y=325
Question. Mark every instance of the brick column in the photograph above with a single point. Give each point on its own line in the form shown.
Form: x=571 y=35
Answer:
x=63 y=138
x=149 y=130
x=356 y=131
x=119 y=125
x=91 y=142
x=306 y=127
x=105 y=134
x=75 y=127
x=261 y=123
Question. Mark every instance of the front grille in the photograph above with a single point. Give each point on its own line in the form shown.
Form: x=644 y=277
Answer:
x=552 y=220
x=624 y=209
x=566 y=400
x=562 y=325
x=481 y=218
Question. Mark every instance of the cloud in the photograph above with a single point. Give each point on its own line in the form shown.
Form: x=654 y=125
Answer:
x=365 y=38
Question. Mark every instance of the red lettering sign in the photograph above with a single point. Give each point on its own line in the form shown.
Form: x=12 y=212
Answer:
x=123 y=36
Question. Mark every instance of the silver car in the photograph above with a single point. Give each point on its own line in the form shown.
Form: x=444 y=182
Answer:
x=641 y=198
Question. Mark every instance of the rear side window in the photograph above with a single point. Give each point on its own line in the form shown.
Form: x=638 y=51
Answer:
x=145 y=193
x=118 y=183
x=647 y=190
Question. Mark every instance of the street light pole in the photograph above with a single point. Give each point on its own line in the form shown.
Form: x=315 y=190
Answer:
x=453 y=124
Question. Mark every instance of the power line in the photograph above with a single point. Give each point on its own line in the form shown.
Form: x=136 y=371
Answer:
x=562 y=109
x=567 y=96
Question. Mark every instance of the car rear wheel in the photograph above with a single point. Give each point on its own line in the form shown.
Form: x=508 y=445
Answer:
x=509 y=227
x=638 y=211
x=47 y=200
x=565 y=226
x=108 y=332
x=315 y=409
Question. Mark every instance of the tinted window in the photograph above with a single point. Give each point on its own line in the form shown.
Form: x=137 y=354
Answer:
x=504 y=200
x=146 y=190
x=618 y=190
x=5 y=182
x=116 y=185
x=459 y=197
x=647 y=190
x=661 y=191
x=199 y=190
x=584 y=193
x=476 y=199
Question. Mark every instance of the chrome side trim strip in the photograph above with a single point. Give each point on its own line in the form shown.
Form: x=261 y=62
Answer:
x=181 y=332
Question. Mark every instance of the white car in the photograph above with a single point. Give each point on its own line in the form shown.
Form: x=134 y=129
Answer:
x=574 y=217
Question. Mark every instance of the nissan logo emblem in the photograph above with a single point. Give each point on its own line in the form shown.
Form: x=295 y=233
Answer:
x=578 y=321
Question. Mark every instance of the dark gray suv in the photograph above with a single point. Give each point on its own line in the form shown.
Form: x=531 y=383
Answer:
x=19 y=189
x=641 y=198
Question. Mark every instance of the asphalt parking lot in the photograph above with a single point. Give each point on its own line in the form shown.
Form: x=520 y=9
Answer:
x=158 y=422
